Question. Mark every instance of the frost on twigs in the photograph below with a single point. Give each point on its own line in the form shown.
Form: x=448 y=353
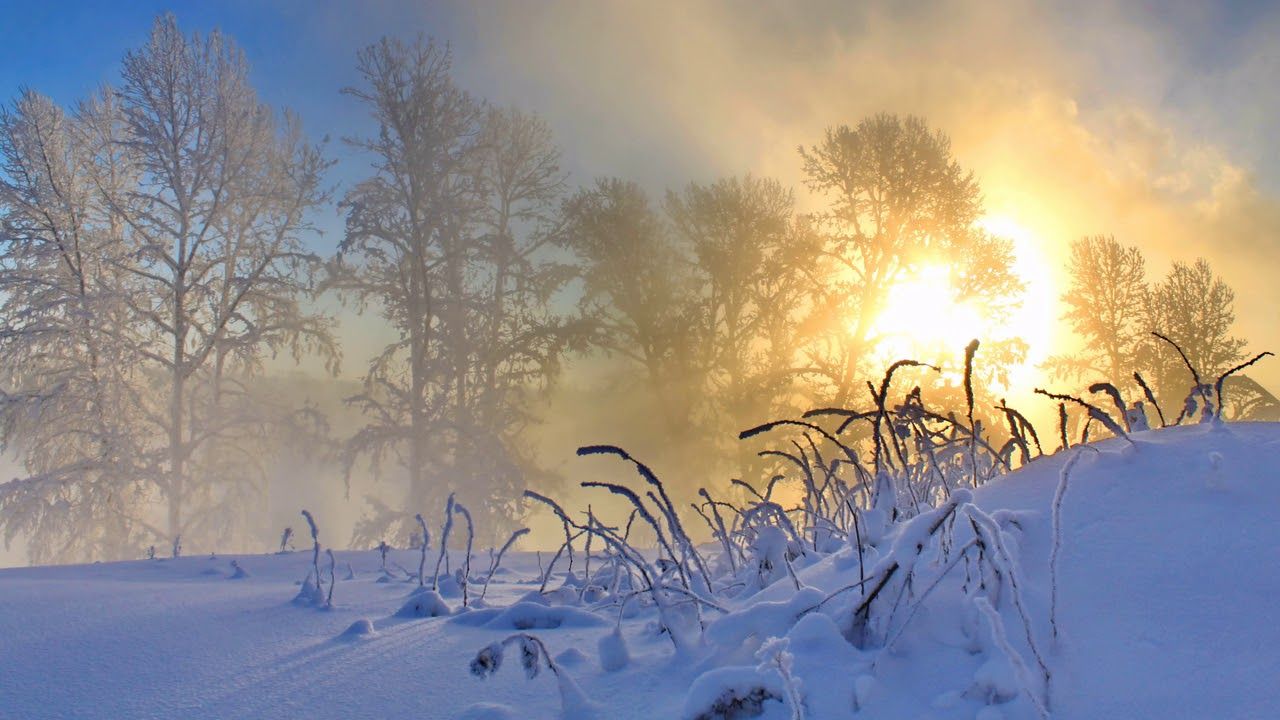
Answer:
x=774 y=656
x=574 y=704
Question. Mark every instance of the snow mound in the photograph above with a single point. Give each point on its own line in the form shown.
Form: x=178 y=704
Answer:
x=424 y=603
x=571 y=657
x=529 y=616
x=361 y=628
x=613 y=651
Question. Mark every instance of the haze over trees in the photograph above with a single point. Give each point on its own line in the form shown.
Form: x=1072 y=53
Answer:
x=1115 y=309
x=449 y=239
x=157 y=252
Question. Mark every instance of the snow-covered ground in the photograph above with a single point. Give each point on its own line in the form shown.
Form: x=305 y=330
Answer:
x=1168 y=576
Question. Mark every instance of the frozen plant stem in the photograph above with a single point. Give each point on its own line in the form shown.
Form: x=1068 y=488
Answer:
x=422 y=558
x=1056 y=521
x=1002 y=643
x=444 y=541
x=333 y=578
x=466 y=562
x=315 y=551
x=497 y=561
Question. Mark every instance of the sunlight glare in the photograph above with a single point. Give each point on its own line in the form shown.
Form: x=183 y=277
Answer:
x=922 y=320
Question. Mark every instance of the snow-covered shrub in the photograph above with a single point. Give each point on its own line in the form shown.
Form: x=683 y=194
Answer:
x=731 y=693
x=574 y=703
x=1000 y=643
x=309 y=593
x=774 y=657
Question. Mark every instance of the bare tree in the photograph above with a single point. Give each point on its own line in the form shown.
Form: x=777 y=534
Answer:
x=640 y=293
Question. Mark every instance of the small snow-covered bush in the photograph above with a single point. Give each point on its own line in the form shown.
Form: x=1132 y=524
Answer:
x=731 y=693
x=774 y=657
x=575 y=705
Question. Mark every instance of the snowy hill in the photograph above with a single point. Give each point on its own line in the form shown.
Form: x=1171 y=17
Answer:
x=1168 y=570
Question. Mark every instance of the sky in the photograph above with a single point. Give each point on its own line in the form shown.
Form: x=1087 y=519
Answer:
x=1152 y=121
x=1149 y=121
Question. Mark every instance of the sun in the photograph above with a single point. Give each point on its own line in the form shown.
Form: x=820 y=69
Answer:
x=921 y=318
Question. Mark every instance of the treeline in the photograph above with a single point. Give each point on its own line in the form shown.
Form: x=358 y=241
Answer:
x=155 y=255
x=1116 y=312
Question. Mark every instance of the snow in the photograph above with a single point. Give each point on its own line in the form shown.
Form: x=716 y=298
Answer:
x=613 y=651
x=1168 y=569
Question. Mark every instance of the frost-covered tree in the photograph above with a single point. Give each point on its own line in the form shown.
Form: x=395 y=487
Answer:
x=1105 y=305
x=448 y=238
x=67 y=407
x=1193 y=307
x=153 y=259
x=219 y=267
x=403 y=238
x=641 y=295
x=754 y=265
x=898 y=200
x=1114 y=311
x=518 y=339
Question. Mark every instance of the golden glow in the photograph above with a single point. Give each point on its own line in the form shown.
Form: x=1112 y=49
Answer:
x=1035 y=318
x=922 y=320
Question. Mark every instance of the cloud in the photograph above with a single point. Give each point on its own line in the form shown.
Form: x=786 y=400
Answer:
x=1078 y=119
